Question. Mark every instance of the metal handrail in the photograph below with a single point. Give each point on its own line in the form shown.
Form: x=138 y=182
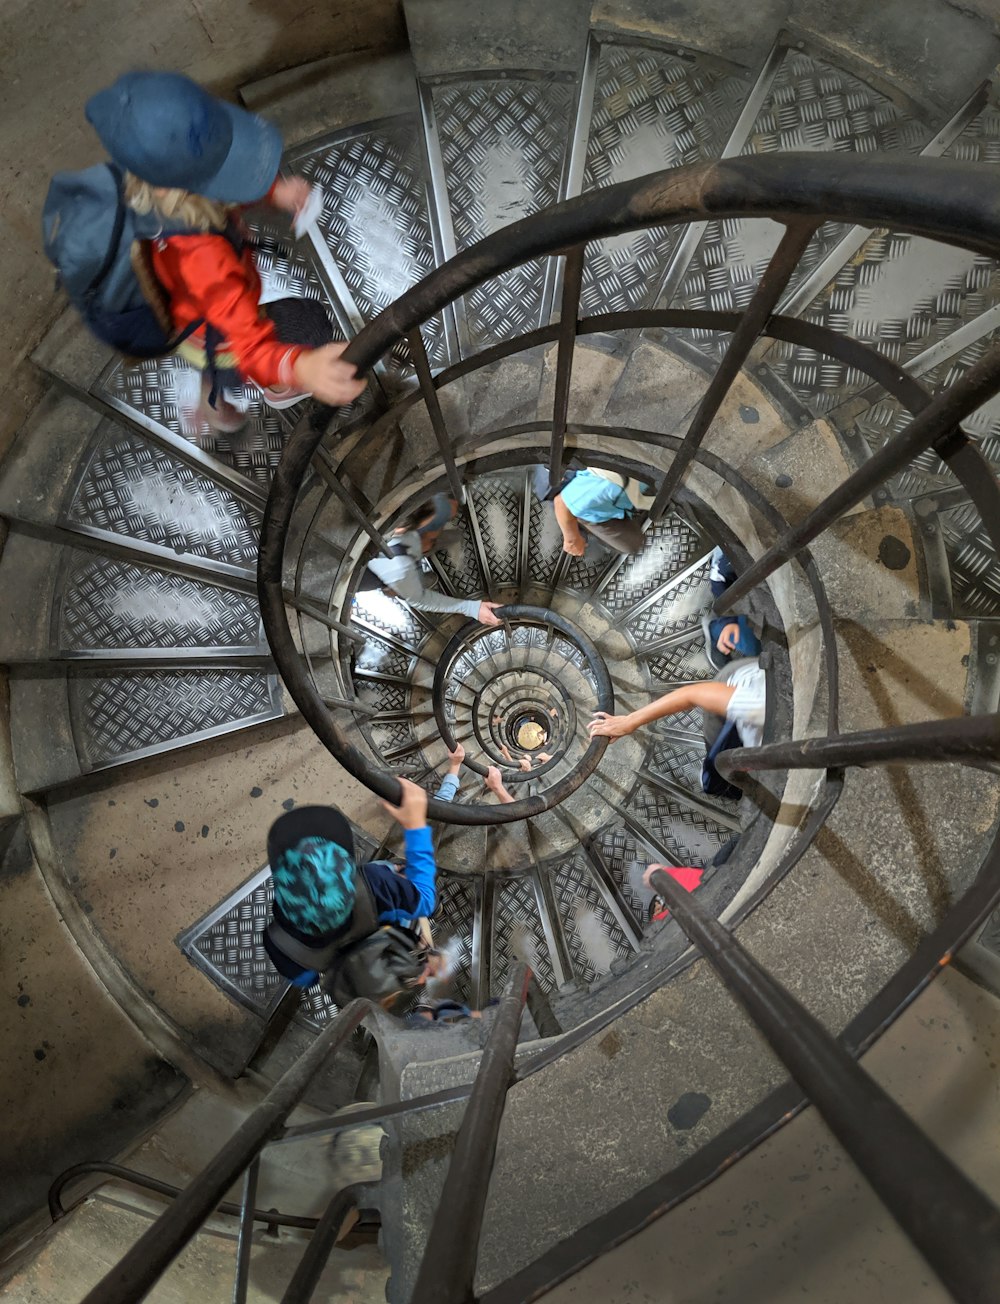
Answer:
x=449 y=1262
x=930 y=957
x=272 y=1217
x=953 y=202
x=946 y=1217
x=141 y=1267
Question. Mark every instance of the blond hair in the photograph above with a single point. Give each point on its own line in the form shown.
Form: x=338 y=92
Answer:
x=176 y=205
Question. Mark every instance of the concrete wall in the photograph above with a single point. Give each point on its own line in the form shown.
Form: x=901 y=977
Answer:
x=55 y=57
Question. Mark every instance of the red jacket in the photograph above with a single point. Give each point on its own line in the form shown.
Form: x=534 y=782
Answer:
x=204 y=276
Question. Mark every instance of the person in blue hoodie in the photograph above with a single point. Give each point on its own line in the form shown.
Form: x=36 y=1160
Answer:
x=324 y=901
x=727 y=638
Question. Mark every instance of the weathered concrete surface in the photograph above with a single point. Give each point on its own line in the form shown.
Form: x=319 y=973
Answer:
x=82 y=1248
x=78 y=1081
x=794 y=1220
x=450 y=36
x=656 y=391
x=742 y=33
x=151 y=850
x=930 y=55
x=52 y=67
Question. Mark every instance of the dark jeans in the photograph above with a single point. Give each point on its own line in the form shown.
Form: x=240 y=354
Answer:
x=623 y=534
x=296 y=321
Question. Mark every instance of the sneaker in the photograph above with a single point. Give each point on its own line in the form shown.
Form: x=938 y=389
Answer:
x=283 y=396
x=223 y=418
x=716 y=659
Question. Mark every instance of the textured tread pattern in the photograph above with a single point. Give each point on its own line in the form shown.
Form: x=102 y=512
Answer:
x=106 y=603
x=518 y=935
x=651 y=110
x=375 y=221
x=121 y=713
x=593 y=934
x=811 y=106
x=670 y=547
x=690 y=835
x=136 y=490
x=503 y=144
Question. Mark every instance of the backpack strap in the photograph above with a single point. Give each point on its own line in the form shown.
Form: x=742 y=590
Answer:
x=116 y=234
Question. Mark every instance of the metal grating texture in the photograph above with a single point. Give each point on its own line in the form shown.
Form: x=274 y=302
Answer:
x=375 y=221
x=135 y=489
x=226 y=945
x=499 y=503
x=811 y=106
x=459 y=559
x=626 y=860
x=453 y=924
x=680 y=662
x=503 y=144
x=594 y=936
x=544 y=542
x=388 y=615
x=899 y=293
x=651 y=110
x=518 y=935
x=125 y=714
x=106 y=603
x=163 y=393
x=690 y=835
x=679 y=609
x=669 y=547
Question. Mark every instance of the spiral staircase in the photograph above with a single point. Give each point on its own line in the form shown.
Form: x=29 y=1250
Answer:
x=136 y=635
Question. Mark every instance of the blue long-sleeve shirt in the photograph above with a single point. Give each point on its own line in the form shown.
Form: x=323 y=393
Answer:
x=412 y=894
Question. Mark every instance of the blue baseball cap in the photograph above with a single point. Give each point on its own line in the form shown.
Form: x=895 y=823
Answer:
x=169 y=131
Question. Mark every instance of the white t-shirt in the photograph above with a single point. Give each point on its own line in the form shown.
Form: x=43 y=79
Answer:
x=749 y=702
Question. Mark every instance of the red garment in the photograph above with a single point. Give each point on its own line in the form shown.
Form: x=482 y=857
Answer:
x=204 y=276
x=688 y=878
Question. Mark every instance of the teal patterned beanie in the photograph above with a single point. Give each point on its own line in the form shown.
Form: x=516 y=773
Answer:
x=314 y=885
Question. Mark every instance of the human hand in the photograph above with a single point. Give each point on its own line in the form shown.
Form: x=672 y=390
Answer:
x=647 y=877
x=730 y=636
x=412 y=811
x=290 y=193
x=575 y=544
x=493 y=780
x=525 y=763
x=323 y=373
x=456 y=758
x=604 y=725
x=486 y=613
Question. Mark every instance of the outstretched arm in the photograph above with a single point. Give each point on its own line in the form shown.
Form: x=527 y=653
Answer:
x=710 y=696
x=573 y=541
x=420 y=868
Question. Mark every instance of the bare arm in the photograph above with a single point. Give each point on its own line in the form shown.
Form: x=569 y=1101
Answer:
x=711 y=696
x=573 y=541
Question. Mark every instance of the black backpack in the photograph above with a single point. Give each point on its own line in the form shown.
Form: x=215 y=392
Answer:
x=371 y=960
x=95 y=239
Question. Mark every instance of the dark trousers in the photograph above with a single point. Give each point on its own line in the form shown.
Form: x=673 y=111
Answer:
x=624 y=534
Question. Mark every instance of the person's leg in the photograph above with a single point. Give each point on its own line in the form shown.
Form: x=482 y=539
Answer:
x=296 y=321
x=623 y=534
x=221 y=416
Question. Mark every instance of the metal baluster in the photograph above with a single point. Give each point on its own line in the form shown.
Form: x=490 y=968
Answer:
x=928 y=429
x=422 y=367
x=244 y=1242
x=948 y=1219
x=572 y=281
x=753 y=320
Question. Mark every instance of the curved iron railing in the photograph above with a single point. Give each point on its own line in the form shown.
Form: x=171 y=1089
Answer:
x=950 y=202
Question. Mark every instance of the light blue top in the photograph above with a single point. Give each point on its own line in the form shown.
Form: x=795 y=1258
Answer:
x=592 y=498
x=450 y=785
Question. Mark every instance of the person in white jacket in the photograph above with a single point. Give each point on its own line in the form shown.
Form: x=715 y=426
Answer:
x=401 y=574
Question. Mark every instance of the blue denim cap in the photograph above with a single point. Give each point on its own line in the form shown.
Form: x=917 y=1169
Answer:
x=168 y=131
x=442 y=514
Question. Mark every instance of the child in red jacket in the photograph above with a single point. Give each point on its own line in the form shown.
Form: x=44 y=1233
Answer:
x=196 y=160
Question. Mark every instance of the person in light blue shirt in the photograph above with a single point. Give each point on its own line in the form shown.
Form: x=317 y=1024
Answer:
x=606 y=505
x=450 y=784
